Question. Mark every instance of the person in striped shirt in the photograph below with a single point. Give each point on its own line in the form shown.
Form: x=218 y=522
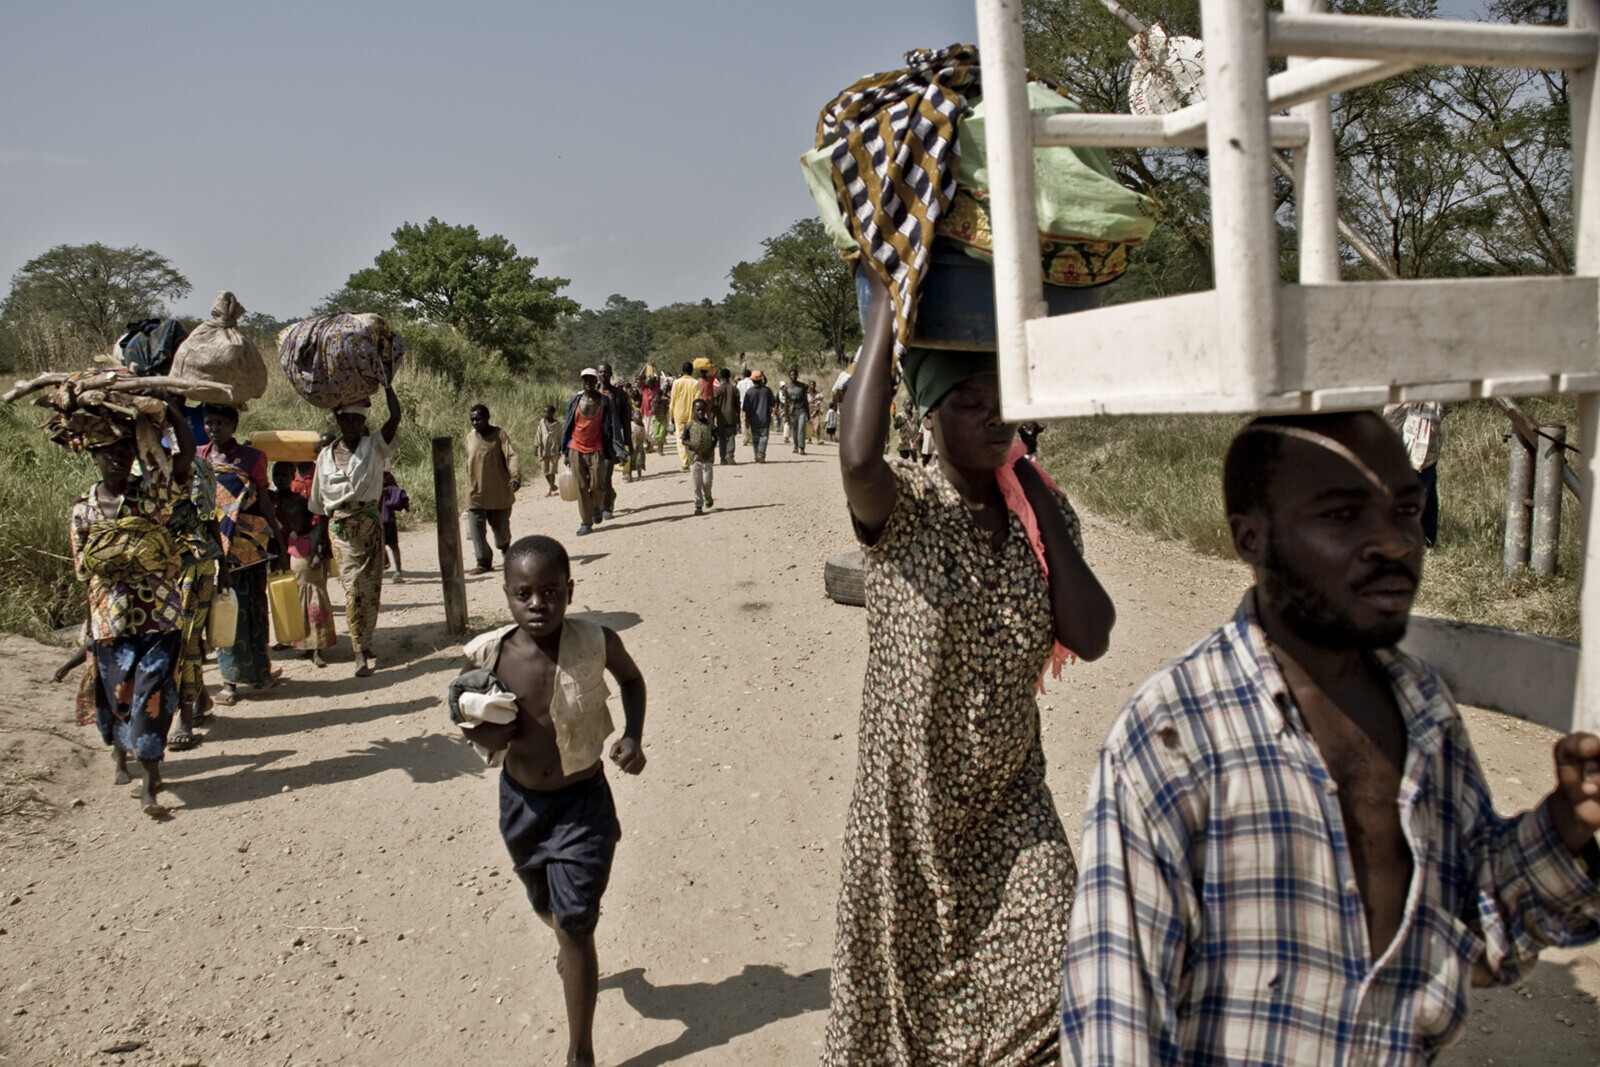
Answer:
x=1290 y=855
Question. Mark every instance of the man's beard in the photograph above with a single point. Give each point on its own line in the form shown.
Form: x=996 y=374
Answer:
x=1311 y=615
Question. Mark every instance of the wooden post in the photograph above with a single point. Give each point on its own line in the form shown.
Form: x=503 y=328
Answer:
x=447 y=517
x=1519 y=506
x=1546 y=531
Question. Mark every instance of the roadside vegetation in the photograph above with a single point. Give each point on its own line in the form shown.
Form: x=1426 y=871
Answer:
x=1163 y=474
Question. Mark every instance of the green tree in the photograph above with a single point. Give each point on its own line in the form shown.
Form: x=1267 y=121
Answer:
x=477 y=286
x=804 y=290
x=92 y=290
x=1446 y=171
x=1082 y=47
x=621 y=333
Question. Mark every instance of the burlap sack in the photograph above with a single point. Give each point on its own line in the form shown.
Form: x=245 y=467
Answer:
x=338 y=359
x=217 y=352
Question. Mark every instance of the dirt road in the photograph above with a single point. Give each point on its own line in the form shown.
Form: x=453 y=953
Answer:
x=331 y=887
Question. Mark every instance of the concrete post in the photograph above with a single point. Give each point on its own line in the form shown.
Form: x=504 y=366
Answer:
x=1519 y=505
x=1243 y=233
x=1546 y=529
x=447 y=519
x=1584 y=97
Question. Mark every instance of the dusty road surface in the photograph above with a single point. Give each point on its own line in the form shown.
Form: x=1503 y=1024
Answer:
x=331 y=887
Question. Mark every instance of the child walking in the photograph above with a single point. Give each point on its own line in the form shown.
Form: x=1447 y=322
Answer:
x=547 y=446
x=300 y=531
x=700 y=438
x=536 y=703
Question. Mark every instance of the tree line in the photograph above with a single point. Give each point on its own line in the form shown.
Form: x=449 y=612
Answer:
x=469 y=305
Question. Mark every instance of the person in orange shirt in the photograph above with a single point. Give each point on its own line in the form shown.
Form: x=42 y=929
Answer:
x=589 y=441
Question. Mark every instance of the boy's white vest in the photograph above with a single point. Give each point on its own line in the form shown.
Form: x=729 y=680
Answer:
x=578 y=703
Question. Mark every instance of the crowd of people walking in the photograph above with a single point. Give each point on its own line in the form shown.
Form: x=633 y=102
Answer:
x=1290 y=853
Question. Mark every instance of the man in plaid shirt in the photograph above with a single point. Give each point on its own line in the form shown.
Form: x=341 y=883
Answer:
x=1289 y=853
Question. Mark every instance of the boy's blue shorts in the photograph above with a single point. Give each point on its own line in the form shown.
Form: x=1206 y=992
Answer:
x=561 y=844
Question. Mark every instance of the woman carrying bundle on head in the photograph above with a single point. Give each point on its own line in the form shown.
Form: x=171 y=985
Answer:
x=958 y=878
x=347 y=488
x=123 y=547
x=252 y=544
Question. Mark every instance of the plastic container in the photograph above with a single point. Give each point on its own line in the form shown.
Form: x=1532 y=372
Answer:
x=288 y=617
x=956 y=306
x=567 y=484
x=286 y=446
x=224 y=626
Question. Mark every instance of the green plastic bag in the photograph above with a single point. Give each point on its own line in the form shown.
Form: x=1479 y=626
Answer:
x=1088 y=221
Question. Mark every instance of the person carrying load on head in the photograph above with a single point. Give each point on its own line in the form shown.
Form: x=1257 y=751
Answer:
x=346 y=488
x=958 y=878
x=124 y=548
x=1291 y=852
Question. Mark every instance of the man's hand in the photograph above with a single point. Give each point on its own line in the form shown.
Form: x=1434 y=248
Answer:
x=627 y=755
x=1574 y=806
x=515 y=484
x=491 y=735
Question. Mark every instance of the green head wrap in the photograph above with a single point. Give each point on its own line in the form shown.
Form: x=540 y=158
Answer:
x=932 y=372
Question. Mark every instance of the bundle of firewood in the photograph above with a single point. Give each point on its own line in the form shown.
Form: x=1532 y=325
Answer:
x=93 y=408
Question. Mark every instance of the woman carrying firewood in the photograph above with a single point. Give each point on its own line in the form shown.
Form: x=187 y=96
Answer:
x=123 y=547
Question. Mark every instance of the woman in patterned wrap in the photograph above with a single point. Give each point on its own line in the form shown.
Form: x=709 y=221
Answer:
x=122 y=547
x=252 y=544
x=958 y=878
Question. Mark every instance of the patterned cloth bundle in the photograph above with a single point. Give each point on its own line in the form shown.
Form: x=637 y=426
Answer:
x=900 y=161
x=341 y=359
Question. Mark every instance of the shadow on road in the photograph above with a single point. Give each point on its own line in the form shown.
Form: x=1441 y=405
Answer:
x=618 y=524
x=257 y=718
x=714 y=1013
x=427 y=759
x=617 y=620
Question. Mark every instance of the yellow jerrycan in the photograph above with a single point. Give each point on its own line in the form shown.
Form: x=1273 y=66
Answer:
x=288 y=617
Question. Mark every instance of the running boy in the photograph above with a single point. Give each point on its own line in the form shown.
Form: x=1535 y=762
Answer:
x=556 y=812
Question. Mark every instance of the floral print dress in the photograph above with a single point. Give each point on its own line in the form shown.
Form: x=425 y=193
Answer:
x=958 y=878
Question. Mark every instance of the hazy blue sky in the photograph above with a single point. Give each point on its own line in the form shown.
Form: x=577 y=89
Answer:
x=633 y=146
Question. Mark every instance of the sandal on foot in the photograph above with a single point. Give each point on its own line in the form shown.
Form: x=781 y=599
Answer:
x=184 y=740
x=227 y=698
x=364 y=671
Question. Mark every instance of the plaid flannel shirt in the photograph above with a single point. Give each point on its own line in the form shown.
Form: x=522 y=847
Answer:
x=1218 y=918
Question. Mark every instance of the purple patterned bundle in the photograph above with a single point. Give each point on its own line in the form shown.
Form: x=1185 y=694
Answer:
x=341 y=358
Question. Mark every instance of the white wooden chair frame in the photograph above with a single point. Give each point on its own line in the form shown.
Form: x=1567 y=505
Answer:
x=1252 y=344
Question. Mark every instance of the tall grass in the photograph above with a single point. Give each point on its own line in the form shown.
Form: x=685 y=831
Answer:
x=38 y=483
x=1164 y=475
